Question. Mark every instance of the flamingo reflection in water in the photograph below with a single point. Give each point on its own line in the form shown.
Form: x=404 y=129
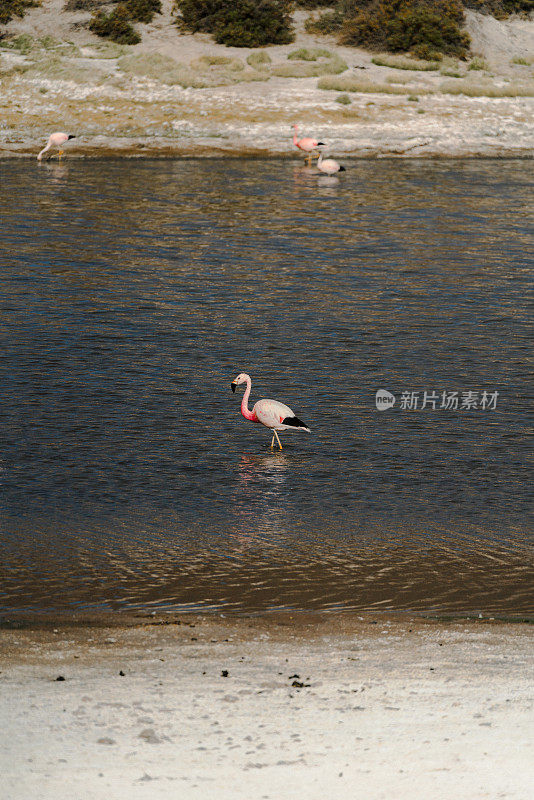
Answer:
x=260 y=498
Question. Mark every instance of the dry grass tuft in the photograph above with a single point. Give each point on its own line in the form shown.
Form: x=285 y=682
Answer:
x=310 y=69
x=161 y=68
x=478 y=64
x=471 y=88
x=403 y=62
x=214 y=63
x=309 y=54
x=350 y=83
x=259 y=60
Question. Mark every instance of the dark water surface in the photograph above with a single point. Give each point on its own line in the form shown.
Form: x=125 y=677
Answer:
x=132 y=292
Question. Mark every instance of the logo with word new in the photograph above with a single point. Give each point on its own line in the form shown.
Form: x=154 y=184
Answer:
x=384 y=400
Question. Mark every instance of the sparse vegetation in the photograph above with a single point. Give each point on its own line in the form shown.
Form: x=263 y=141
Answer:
x=15 y=8
x=200 y=74
x=259 y=60
x=467 y=87
x=238 y=23
x=522 y=62
x=477 y=64
x=115 y=26
x=157 y=66
x=471 y=88
x=309 y=54
x=208 y=63
x=344 y=99
x=402 y=62
x=308 y=67
x=350 y=83
x=23 y=43
x=400 y=79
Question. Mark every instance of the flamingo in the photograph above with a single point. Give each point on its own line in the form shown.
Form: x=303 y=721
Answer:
x=271 y=413
x=329 y=166
x=307 y=144
x=56 y=140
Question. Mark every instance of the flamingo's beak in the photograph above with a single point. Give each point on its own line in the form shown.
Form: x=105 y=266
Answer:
x=320 y=144
x=233 y=385
x=71 y=136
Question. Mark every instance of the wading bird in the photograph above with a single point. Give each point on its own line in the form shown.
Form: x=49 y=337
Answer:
x=329 y=166
x=271 y=413
x=56 y=140
x=307 y=144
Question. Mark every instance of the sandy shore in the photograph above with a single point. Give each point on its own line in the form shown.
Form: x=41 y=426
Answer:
x=298 y=706
x=119 y=100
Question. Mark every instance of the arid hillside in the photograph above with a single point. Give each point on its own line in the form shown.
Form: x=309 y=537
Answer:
x=182 y=93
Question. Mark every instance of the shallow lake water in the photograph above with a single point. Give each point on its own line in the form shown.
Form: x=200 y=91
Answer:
x=133 y=292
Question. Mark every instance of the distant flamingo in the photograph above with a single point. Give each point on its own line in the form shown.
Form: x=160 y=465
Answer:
x=56 y=140
x=329 y=166
x=307 y=144
x=271 y=413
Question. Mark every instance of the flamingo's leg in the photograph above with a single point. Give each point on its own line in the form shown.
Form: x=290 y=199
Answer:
x=272 y=442
x=60 y=153
x=279 y=442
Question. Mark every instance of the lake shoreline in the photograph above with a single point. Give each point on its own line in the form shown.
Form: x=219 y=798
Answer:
x=218 y=706
x=167 y=152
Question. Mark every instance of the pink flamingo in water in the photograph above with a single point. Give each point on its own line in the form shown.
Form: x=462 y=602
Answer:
x=55 y=140
x=271 y=413
x=329 y=166
x=307 y=144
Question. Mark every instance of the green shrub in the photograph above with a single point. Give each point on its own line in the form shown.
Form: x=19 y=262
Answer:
x=405 y=24
x=238 y=23
x=344 y=99
x=315 y=3
x=520 y=61
x=425 y=52
x=23 y=43
x=501 y=8
x=328 y=23
x=15 y=8
x=143 y=10
x=84 y=5
x=115 y=26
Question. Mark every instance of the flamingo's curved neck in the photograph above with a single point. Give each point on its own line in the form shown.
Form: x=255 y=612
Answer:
x=244 y=404
x=295 y=137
